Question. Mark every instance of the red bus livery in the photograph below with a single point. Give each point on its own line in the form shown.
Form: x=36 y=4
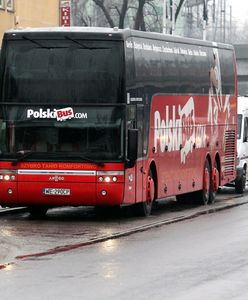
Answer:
x=107 y=117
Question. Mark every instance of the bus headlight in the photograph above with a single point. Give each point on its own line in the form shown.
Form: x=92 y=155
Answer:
x=110 y=176
x=6 y=175
x=107 y=179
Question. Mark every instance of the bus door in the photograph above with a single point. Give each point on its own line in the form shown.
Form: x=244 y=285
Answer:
x=142 y=152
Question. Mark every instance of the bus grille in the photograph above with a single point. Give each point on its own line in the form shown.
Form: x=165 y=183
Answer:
x=230 y=154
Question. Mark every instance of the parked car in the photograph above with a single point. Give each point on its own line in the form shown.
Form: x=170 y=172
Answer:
x=242 y=144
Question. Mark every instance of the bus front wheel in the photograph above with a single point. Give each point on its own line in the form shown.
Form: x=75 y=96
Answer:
x=145 y=208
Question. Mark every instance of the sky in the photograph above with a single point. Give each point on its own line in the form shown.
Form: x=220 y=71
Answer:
x=239 y=9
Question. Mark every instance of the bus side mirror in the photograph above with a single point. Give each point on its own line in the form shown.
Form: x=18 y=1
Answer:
x=132 y=149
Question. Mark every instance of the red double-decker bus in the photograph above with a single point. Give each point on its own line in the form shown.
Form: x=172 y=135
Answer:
x=108 y=117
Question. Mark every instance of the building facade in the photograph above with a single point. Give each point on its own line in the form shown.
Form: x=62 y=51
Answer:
x=26 y=13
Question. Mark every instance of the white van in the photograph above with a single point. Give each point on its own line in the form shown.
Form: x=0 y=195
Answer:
x=242 y=144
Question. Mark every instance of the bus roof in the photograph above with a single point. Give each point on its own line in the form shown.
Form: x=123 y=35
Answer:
x=113 y=33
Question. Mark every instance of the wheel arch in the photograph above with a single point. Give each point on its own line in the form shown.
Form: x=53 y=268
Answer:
x=217 y=160
x=153 y=169
x=208 y=157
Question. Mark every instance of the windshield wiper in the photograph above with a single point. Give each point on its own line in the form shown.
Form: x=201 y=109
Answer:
x=34 y=42
x=24 y=155
x=84 y=158
x=39 y=44
x=76 y=156
x=83 y=45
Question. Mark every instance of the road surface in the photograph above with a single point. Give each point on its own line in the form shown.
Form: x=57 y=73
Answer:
x=199 y=258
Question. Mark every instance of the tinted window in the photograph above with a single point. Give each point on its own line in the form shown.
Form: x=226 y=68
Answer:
x=62 y=71
x=172 y=67
x=96 y=133
x=227 y=71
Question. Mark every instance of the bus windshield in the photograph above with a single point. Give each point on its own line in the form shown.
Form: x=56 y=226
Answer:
x=64 y=70
x=94 y=133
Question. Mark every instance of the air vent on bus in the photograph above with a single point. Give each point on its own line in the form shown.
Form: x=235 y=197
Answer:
x=229 y=161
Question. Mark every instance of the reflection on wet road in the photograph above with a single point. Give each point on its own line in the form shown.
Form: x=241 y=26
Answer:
x=65 y=229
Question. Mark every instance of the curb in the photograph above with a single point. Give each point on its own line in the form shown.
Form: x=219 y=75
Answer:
x=128 y=232
x=230 y=203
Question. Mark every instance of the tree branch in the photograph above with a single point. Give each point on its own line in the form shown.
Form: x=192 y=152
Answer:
x=100 y=3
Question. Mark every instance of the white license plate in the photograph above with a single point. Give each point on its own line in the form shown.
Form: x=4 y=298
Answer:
x=60 y=192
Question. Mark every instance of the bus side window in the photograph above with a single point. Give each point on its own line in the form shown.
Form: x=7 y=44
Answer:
x=245 y=136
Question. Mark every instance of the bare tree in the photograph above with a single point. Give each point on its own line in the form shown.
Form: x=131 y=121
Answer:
x=122 y=13
x=121 y=9
x=103 y=7
x=145 y=15
x=118 y=13
x=179 y=7
x=139 y=23
x=153 y=17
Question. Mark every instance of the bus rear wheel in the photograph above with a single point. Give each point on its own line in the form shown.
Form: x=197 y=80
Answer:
x=203 y=195
x=144 y=208
x=215 y=181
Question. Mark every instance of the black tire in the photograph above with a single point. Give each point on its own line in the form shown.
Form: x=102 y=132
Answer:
x=240 y=183
x=144 y=209
x=213 y=190
x=202 y=197
x=37 y=211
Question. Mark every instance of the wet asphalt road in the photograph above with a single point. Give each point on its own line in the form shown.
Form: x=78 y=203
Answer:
x=20 y=235
x=200 y=258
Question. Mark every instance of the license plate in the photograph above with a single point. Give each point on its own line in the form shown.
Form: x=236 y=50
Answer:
x=60 y=192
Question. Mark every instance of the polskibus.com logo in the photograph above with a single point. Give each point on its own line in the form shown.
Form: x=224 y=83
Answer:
x=59 y=114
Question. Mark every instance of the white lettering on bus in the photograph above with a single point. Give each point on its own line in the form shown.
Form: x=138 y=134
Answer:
x=41 y=114
x=81 y=116
x=129 y=44
x=157 y=48
x=178 y=134
x=61 y=114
